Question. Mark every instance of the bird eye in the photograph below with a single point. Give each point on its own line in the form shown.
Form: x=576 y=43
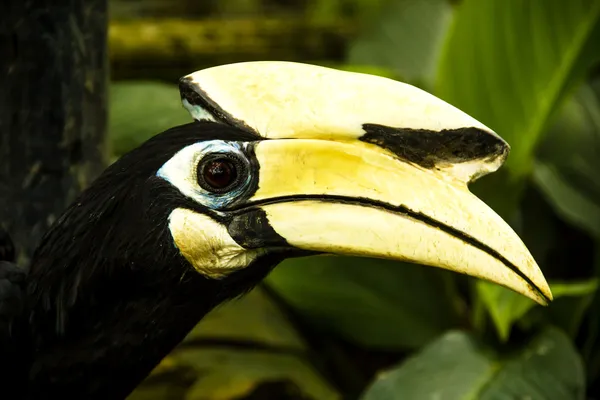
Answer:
x=220 y=173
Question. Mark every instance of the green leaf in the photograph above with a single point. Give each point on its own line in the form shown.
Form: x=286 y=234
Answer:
x=509 y=64
x=506 y=307
x=252 y=318
x=568 y=312
x=570 y=203
x=591 y=345
x=227 y=374
x=568 y=161
x=236 y=348
x=406 y=38
x=458 y=367
x=536 y=224
x=375 y=303
x=140 y=110
x=584 y=288
x=566 y=172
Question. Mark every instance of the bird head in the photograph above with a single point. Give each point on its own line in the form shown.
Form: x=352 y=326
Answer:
x=334 y=162
x=283 y=160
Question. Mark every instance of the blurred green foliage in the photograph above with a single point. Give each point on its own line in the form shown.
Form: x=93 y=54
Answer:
x=457 y=366
x=376 y=303
x=261 y=345
x=333 y=327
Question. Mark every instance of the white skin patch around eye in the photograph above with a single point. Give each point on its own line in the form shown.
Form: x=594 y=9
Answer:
x=207 y=245
x=181 y=172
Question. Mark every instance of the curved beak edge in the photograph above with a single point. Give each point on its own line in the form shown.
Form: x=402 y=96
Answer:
x=374 y=205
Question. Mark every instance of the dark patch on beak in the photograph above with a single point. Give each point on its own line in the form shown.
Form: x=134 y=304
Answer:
x=428 y=148
x=251 y=230
x=196 y=96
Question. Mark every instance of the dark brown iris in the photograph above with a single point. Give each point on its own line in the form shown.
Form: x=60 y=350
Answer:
x=219 y=173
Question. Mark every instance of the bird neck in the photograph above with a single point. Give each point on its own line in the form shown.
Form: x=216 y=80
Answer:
x=104 y=344
x=109 y=294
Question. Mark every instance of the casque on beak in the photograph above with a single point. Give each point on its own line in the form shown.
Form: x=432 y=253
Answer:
x=361 y=165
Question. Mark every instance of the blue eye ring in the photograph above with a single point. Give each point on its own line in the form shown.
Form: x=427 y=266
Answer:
x=183 y=171
x=221 y=172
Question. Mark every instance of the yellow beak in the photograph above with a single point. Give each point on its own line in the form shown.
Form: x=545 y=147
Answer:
x=381 y=178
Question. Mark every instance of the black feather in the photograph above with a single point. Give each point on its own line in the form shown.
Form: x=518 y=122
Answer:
x=7 y=248
x=13 y=350
x=108 y=294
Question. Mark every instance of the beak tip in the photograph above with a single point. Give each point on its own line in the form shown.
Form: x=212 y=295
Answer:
x=543 y=294
x=548 y=295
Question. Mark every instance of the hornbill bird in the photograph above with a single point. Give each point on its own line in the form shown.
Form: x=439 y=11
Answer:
x=282 y=160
